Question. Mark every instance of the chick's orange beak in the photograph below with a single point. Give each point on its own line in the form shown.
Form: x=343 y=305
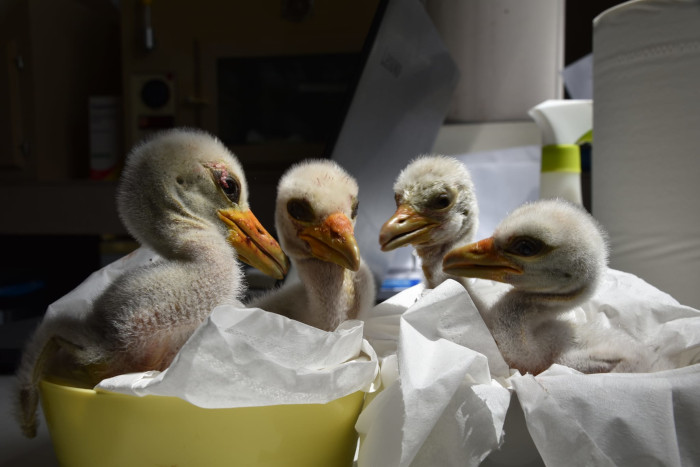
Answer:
x=255 y=246
x=481 y=260
x=333 y=240
x=405 y=227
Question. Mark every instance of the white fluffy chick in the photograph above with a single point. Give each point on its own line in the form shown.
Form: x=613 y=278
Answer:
x=553 y=253
x=184 y=195
x=436 y=212
x=315 y=215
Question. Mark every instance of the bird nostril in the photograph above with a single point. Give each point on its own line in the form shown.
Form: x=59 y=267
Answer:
x=480 y=251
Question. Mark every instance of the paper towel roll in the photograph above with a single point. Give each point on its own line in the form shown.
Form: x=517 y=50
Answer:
x=646 y=150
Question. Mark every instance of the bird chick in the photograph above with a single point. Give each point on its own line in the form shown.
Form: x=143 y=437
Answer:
x=553 y=253
x=315 y=215
x=436 y=212
x=184 y=195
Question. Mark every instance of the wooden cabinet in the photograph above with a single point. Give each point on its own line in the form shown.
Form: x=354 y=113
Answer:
x=54 y=56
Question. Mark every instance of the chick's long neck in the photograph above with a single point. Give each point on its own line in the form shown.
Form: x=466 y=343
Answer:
x=201 y=253
x=431 y=259
x=330 y=292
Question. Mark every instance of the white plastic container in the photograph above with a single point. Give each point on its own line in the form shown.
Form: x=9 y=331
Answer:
x=509 y=55
x=562 y=124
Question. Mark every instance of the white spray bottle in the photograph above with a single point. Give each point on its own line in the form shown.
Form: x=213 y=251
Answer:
x=562 y=124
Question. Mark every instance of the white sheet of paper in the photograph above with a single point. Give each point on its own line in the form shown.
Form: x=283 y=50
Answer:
x=245 y=357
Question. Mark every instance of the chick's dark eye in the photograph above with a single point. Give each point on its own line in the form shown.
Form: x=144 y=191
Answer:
x=397 y=198
x=231 y=187
x=300 y=209
x=355 y=205
x=440 y=201
x=525 y=246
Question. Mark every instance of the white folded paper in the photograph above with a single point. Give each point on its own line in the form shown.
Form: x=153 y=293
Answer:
x=244 y=357
x=448 y=404
x=241 y=357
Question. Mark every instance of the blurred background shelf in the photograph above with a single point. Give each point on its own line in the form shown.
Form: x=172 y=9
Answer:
x=78 y=207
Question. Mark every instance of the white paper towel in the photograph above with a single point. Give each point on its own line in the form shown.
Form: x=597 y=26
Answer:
x=445 y=408
x=248 y=357
x=646 y=149
x=447 y=405
x=613 y=419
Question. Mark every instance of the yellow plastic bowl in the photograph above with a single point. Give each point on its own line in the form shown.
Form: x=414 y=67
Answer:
x=90 y=428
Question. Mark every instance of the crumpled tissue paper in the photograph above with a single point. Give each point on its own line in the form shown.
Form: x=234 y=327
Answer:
x=241 y=357
x=451 y=389
x=445 y=408
x=248 y=357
